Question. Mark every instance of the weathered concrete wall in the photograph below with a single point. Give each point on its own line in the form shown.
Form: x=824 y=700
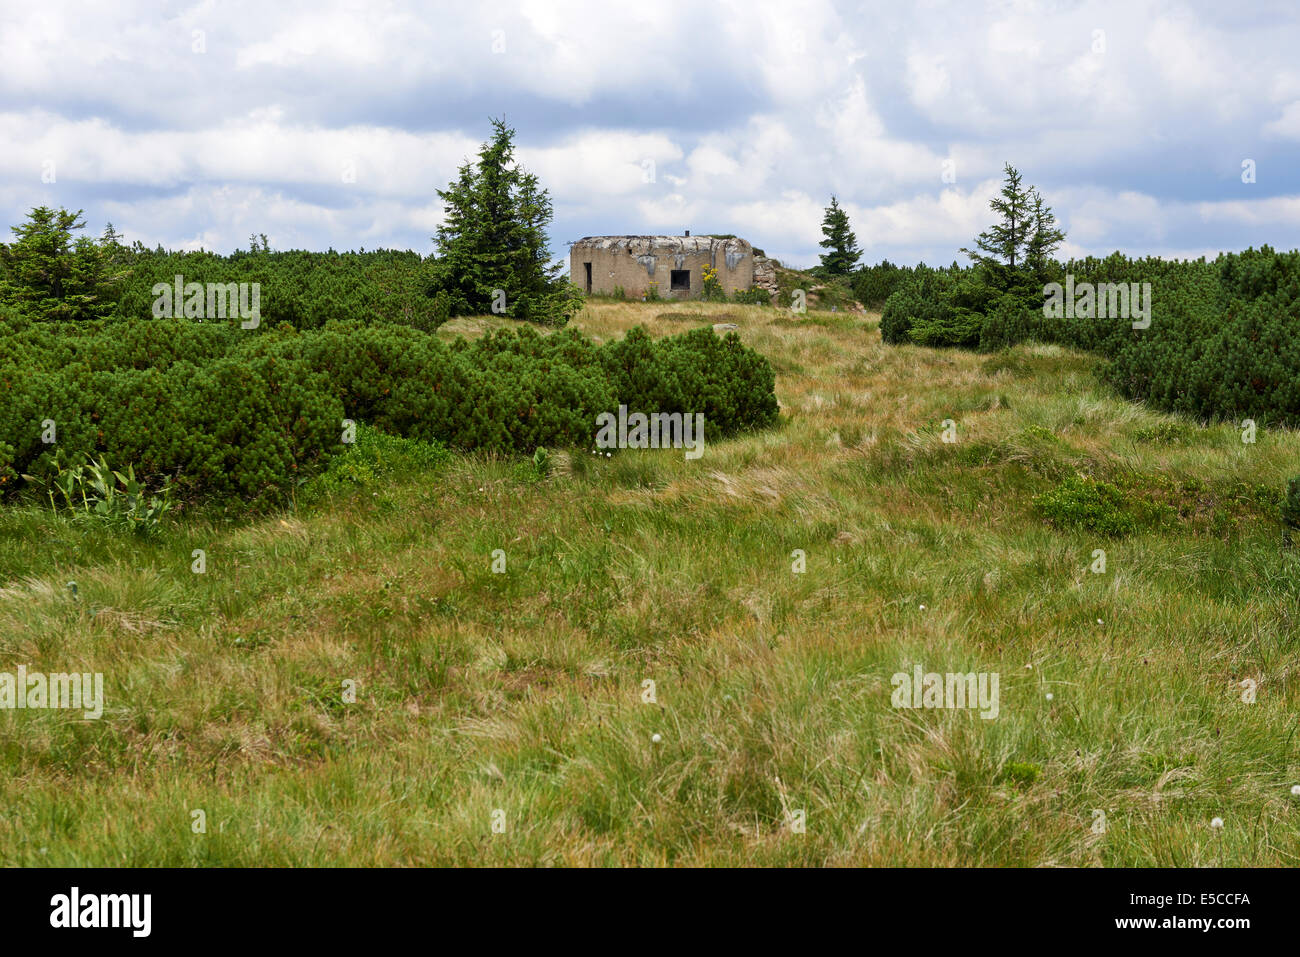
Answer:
x=635 y=262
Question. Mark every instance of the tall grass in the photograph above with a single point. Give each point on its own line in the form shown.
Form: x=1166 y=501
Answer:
x=519 y=699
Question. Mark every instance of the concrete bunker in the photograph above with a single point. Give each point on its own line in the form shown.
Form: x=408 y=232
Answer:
x=671 y=267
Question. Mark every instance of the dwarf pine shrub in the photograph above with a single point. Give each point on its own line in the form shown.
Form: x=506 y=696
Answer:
x=1291 y=504
x=222 y=412
x=1218 y=342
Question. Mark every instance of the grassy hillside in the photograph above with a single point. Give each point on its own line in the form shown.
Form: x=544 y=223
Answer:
x=524 y=693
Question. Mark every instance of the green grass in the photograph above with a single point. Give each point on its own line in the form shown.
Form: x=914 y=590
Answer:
x=524 y=692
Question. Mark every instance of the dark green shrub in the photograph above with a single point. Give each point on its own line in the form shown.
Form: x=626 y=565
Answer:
x=873 y=285
x=526 y=390
x=305 y=289
x=924 y=308
x=233 y=427
x=228 y=413
x=1008 y=323
x=8 y=477
x=1290 y=505
x=917 y=297
x=388 y=376
x=698 y=371
x=1220 y=341
x=947 y=327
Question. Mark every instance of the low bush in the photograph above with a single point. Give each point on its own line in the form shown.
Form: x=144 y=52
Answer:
x=1082 y=503
x=1291 y=504
x=873 y=285
x=8 y=477
x=304 y=289
x=752 y=297
x=222 y=412
x=1212 y=340
x=372 y=458
x=1163 y=433
x=921 y=299
x=1009 y=322
x=697 y=371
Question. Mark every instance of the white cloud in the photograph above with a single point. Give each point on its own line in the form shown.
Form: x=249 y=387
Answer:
x=1286 y=126
x=601 y=162
x=742 y=116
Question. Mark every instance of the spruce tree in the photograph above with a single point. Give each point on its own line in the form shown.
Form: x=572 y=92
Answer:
x=1044 y=237
x=115 y=251
x=493 y=237
x=1024 y=238
x=48 y=274
x=1001 y=246
x=843 y=245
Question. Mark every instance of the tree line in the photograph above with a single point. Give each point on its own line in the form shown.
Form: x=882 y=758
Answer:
x=491 y=256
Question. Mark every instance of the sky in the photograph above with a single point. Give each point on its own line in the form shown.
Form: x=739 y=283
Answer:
x=1168 y=129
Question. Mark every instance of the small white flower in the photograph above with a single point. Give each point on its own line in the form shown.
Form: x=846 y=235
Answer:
x=1217 y=823
x=1049 y=696
x=922 y=608
x=1029 y=667
x=1099 y=621
x=1295 y=790
x=609 y=455
x=656 y=738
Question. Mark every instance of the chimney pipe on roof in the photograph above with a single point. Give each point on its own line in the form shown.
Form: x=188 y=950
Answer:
x=688 y=232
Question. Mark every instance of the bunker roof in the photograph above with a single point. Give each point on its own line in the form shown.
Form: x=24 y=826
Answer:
x=682 y=244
